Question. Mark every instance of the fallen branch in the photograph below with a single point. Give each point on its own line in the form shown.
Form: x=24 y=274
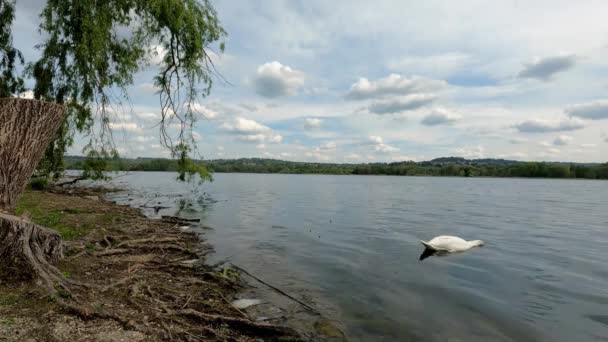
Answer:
x=256 y=329
x=141 y=241
x=278 y=290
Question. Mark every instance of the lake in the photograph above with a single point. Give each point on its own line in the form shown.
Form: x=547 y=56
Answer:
x=349 y=246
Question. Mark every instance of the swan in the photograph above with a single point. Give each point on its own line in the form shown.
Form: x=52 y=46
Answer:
x=450 y=244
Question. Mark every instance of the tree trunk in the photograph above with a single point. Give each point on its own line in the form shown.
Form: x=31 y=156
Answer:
x=26 y=128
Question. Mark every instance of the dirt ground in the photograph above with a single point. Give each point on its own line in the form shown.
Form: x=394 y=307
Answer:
x=134 y=279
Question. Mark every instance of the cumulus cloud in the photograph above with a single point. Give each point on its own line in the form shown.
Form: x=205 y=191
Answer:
x=251 y=131
x=545 y=68
x=562 y=140
x=379 y=146
x=440 y=116
x=310 y=123
x=276 y=80
x=242 y=125
x=588 y=145
x=596 y=110
x=203 y=111
x=543 y=126
x=396 y=105
x=393 y=84
x=470 y=153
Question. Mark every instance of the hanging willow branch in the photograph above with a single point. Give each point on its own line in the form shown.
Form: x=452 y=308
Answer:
x=93 y=49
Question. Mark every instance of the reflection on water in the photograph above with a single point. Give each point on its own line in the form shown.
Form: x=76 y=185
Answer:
x=348 y=245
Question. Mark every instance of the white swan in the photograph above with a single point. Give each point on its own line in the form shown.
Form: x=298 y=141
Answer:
x=450 y=244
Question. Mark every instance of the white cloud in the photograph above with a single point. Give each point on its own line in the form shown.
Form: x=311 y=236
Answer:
x=148 y=87
x=251 y=131
x=243 y=125
x=379 y=146
x=470 y=153
x=276 y=80
x=28 y=94
x=310 y=123
x=544 y=68
x=396 y=105
x=401 y=158
x=260 y=146
x=596 y=110
x=562 y=140
x=317 y=155
x=353 y=156
x=393 y=84
x=156 y=53
x=542 y=126
x=440 y=116
x=588 y=145
x=148 y=116
x=545 y=144
x=143 y=139
x=326 y=146
x=125 y=126
x=204 y=111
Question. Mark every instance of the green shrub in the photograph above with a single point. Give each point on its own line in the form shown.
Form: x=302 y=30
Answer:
x=39 y=183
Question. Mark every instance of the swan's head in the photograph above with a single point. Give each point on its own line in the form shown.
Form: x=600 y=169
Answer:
x=476 y=243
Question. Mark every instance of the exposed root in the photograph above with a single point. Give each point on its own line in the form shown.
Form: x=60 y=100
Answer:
x=111 y=252
x=28 y=250
x=244 y=324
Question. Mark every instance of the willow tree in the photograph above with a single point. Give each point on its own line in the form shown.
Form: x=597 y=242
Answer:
x=92 y=50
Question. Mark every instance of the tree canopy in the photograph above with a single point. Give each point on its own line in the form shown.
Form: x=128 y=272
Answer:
x=91 y=51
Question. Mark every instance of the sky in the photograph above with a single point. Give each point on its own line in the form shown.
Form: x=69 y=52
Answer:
x=380 y=81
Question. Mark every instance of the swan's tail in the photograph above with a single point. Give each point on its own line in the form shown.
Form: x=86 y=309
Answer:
x=428 y=246
x=428 y=251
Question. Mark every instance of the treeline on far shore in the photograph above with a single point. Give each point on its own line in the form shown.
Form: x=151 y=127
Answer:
x=450 y=166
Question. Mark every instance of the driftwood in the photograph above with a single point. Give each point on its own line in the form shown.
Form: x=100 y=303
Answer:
x=175 y=219
x=310 y=308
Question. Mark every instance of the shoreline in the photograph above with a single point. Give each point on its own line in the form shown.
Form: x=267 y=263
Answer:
x=139 y=279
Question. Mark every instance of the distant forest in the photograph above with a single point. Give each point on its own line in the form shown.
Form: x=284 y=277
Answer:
x=450 y=166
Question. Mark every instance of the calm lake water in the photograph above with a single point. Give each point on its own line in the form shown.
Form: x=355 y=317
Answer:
x=349 y=246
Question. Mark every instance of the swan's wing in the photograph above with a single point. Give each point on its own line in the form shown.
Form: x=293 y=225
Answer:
x=446 y=243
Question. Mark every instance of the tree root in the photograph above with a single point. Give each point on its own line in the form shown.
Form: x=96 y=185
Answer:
x=30 y=251
x=242 y=324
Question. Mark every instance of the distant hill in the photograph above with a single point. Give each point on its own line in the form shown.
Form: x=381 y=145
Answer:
x=445 y=166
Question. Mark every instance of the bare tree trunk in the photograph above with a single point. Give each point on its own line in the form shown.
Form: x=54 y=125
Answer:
x=26 y=128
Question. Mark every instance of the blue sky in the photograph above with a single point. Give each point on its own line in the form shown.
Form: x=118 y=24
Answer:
x=361 y=81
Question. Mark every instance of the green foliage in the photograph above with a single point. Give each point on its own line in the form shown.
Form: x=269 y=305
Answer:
x=10 y=82
x=92 y=50
x=39 y=183
x=439 y=167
